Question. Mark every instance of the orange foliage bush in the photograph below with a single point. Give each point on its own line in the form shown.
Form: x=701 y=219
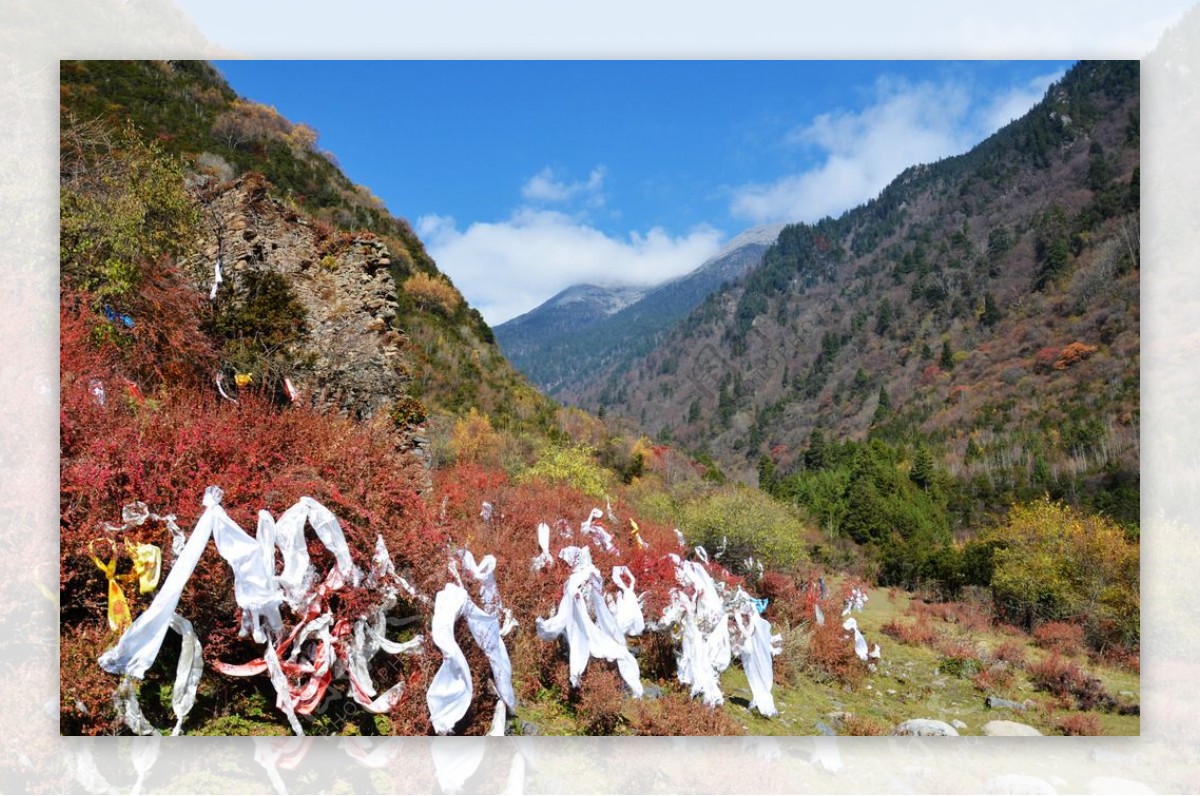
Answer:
x=1010 y=652
x=787 y=604
x=1064 y=678
x=918 y=634
x=831 y=653
x=433 y=293
x=861 y=726
x=1044 y=359
x=474 y=440
x=997 y=677
x=1081 y=724
x=1073 y=353
x=968 y=615
x=1061 y=637
x=599 y=700
x=676 y=714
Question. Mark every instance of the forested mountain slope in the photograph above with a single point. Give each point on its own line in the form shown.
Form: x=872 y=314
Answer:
x=984 y=308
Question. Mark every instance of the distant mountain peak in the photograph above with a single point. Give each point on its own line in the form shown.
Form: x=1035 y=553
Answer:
x=588 y=329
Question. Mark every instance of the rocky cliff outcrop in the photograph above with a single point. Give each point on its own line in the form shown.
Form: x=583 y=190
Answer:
x=348 y=356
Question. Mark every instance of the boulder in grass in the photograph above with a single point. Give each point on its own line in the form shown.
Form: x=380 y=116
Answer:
x=924 y=727
x=1000 y=703
x=1009 y=729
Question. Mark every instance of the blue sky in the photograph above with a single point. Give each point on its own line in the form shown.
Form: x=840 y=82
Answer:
x=524 y=177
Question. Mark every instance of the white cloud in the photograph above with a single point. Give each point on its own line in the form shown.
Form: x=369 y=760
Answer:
x=543 y=187
x=863 y=151
x=510 y=267
x=1013 y=104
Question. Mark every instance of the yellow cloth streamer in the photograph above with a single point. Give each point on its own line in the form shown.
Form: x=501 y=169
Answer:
x=147 y=565
x=636 y=533
x=119 y=615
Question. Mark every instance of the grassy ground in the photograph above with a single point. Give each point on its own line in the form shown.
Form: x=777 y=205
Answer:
x=911 y=681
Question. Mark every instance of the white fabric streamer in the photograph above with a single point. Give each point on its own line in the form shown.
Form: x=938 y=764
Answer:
x=587 y=638
x=454 y=762
x=499 y=717
x=449 y=694
x=138 y=646
x=693 y=664
x=543 y=559
x=855 y=602
x=589 y=527
x=860 y=643
x=187 y=673
x=758 y=650
x=217 y=280
x=125 y=703
x=484 y=573
x=282 y=691
x=627 y=606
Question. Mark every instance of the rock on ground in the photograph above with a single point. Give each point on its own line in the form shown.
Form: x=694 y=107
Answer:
x=924 y=727
x=1009 y=729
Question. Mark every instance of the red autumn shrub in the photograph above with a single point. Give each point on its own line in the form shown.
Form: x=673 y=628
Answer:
x=677 y=715
x=968 y=615
x=993 y=678
x=164 y=450
x=1062 y=637
x=1044 y=359
x=861 y=725
x=1064 y=678
x=1010 y=652
x=830 y=654
x=1118 y=655
x=599 y=700
x=1081 y=724
x=1073 y=353
x=918 y=634
x=787 y=604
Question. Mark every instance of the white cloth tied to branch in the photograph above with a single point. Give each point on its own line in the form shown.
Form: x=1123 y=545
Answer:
x=287 y=533
x=627 y=606
x=449 y=694
x=187 y=672
x=259 y=593
x=758 y=649
x=254 y=588
x=855 y=602
x=588 y=638
x=860 y=643
x=183 y=696
x=484 y=572
x=542 y=559
x=590 y=528
x=217 y=280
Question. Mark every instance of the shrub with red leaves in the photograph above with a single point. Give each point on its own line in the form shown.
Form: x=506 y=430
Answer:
x=1061 y=637
x=861 y=726
x=918 y=634
x=1010 y=652
x=831 y=655
x=676 y=714
x=179 y=438
x=1081 y=724
x=787 y=603
x=599 y=700
x=1064 y=678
